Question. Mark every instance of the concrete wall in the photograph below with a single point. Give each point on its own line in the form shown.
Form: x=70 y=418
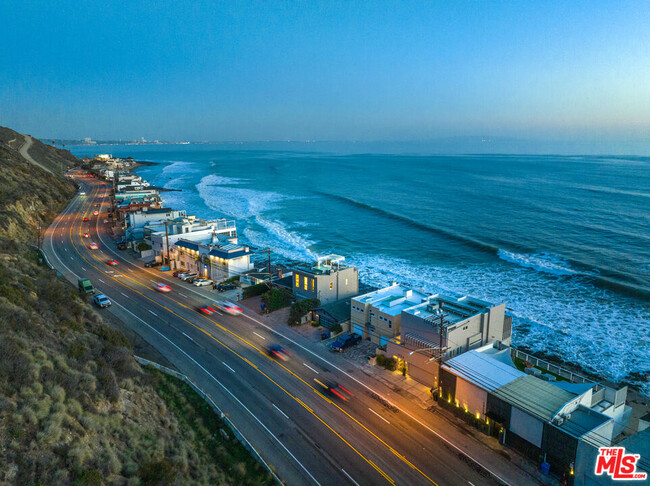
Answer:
x=471 y=397
x=324 y=287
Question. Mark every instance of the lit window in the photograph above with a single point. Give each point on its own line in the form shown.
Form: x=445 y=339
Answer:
x=346 y=282
x=331 y=285
x=312 y=284
x=306 y=279
x=297 y=280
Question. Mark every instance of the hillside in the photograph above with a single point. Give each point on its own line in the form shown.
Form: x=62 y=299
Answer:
x=75 y=407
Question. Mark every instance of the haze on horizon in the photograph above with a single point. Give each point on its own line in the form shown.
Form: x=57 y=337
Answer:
x=376 y=70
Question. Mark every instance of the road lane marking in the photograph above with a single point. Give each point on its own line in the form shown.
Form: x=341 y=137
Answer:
x=65 y=249
x=276 y=407
x=153 y=312
x=71 y=258
x=311 y=368
x=259 y=335
x=179 y=293
x=227 y=366
x=83 y=269
x=378 y=415
x=351 y=478
x=188 y=337
x=101 y=280
x=124 y=295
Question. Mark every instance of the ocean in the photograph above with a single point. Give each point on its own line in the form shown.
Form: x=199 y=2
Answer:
x=564 y=241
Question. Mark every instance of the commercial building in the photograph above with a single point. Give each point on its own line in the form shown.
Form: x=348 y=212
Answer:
x=329 y=279
x=377 y=315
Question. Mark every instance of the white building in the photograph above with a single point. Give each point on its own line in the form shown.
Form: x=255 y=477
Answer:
x=137 y=221
x=216 y=262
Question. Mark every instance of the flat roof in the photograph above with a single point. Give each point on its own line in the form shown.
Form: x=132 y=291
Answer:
x=534 y=396
x=482 y=370
x=392 y=300
x=455 y=309
x=583 y=420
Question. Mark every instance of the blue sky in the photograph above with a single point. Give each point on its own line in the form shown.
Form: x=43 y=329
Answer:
x=373 y=70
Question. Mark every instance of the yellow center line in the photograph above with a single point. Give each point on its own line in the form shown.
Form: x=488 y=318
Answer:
x=250 y=344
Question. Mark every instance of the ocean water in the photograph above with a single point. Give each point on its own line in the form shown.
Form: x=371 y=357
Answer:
x=564 y=241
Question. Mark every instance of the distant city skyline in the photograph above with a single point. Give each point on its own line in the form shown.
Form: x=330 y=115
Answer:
x=572 y=72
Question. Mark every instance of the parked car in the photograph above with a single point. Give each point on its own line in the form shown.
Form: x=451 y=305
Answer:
x=202 y=282
x=152 y=263
x=101 y=301
x=187 y=276
x=344 y=341
x=229 y=308
x=222 y=287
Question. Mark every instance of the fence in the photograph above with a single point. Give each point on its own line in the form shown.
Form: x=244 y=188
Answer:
x=238 y=435
x=545 y=365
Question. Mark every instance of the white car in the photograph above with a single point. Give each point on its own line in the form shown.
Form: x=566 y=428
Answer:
x=202 y=282
x=101 y=301
x=161 y=287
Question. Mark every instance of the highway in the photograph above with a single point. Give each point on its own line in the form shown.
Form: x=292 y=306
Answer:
x=305 y=435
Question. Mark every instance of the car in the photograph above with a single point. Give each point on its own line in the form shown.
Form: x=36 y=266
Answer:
x=112 y=263
x=229 y=308
x=161 y=287
x=86 y=235
x=335 y=390
x=202 y=282
x=222 y=287
x=82 y=193
x=207 y=310
x=101 y=301
x=176 y=273
x=152 y=263
x=345 y=341
x=85 y=219
x=93 y=246
x=96 y=213
x=278 y=352
x=187 y=276
x=190 y=280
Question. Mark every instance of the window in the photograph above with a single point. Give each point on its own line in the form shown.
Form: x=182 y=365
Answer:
x=306 y=279
x=331 y=285
x=312 y=284
x=297 y=280
x=390 y=324
x=346 y=282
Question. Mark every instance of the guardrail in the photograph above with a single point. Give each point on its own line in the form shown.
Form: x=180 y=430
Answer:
x=238 y=435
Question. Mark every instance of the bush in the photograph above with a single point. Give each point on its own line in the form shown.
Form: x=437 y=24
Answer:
x=381 y=359
x=158 y=472
x=255 y=290
x=276 y=299
x=336 y=328
x=143 y=246
x=299 y=309
x=89 y=477
x=390 y=364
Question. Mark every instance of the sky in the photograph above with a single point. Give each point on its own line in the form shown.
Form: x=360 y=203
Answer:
x=310 y=70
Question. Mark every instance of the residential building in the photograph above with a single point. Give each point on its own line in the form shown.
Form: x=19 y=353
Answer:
x=538 y=416
x=377 y=315
x=328 y=279
x=217 y=262
x=467 y=323
x=207 y=232
x=142 y=193
x=138 y=220
x=260 y=274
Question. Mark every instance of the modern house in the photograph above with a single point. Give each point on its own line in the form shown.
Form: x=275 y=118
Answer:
x=377 y=315
x=216 y=262
x=535 y=414
x=467 y=323
x=142 y=193
x=328 y=279
x=138 y=220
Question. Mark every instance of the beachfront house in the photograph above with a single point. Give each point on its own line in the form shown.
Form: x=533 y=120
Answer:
x=377 y=315
x=329 y=279
x=216 y=262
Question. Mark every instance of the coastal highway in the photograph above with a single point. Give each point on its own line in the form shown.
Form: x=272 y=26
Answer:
x=306 y=436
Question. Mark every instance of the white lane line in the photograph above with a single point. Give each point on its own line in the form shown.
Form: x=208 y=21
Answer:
x=224 y=363
x=471 y=484
x=188 y=337
x=153 y=312
x=259 y=335
x=101 y=280
x=130 y=269
x=276 y=407
x=180 y=293
x=124 y=295
x=65 y=249
x=83 y=269
x=311 y=368
x=378 y=415
x=71 y=258
x=350 y=477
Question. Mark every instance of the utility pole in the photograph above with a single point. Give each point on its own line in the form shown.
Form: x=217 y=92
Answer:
x=167 y=239
x=441 y=329
x=269 y=263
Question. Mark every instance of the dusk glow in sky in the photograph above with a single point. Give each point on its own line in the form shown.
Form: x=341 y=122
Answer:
x=375 y=70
